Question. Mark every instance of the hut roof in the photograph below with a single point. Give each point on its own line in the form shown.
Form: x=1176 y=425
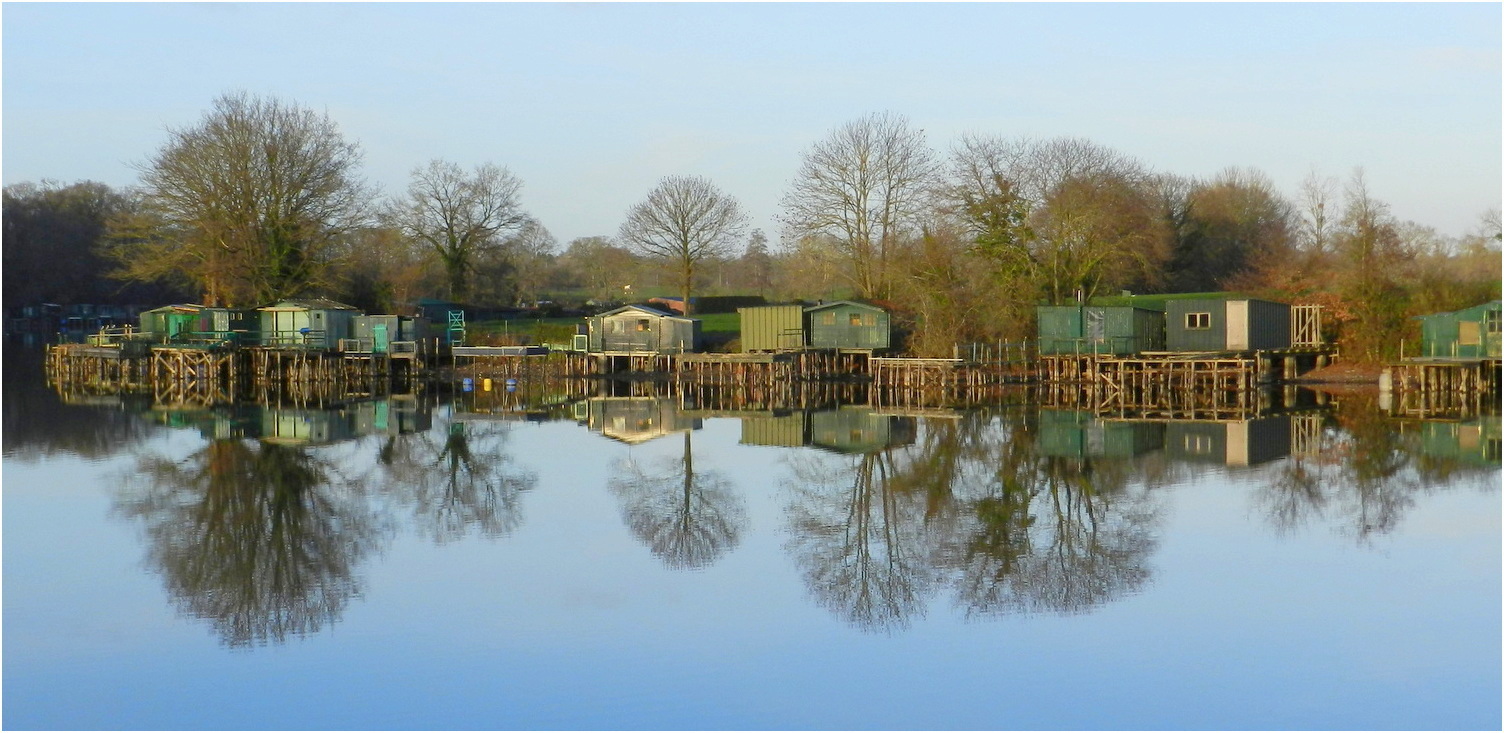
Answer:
x=1479 y=308
x=179 y=308
x=646 y=310
x=834 y=303
x=313 y=304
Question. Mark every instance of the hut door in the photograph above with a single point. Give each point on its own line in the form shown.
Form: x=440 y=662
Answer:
x=1096 y=327
x=1237 y=325
x=379 y=338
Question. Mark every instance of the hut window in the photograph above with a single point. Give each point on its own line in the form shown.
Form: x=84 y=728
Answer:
x=856 y=319
x=828 y=318
x=1198 y=321
x=1198 y=444
x=642 y=325
x=1491 y=322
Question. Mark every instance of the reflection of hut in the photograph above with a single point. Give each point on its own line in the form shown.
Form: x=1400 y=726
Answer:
x=314 y=323
x=1231 y=443
x=390 y=417
x=306 y=426
x=1475 y=443
x=215 y=424
x=1075 y=434
x=634 y=420
x=1470 y=333
x=858 y=430
x=1241 y=324
x=634 y=329
x=1120 y=330
x=846 y=324
x=782 y=431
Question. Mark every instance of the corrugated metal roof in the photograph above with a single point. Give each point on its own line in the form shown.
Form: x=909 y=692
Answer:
x=316 y=304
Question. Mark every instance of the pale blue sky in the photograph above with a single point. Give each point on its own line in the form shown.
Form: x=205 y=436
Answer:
x=591 y=104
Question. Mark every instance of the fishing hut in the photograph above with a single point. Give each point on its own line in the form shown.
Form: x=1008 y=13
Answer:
x=1470 y=333
x=315 y=323
x=1109 y=330
x=1457 y=369
x=827 y=340
x=1072 y=337
x=636 y=338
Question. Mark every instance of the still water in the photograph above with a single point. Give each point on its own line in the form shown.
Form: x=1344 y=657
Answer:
x=629 y=563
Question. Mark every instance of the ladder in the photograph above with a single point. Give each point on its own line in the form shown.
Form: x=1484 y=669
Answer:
x=456 y=328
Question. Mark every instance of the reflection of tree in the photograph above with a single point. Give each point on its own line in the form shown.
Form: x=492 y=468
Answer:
x=688 y=518
x=464 y=481
x=860 y=543
x=1052 y=534
x=252 y=537
x=974 y=506
x=1364 y=473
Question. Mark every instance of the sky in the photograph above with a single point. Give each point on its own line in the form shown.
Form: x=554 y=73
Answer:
x=592 y=104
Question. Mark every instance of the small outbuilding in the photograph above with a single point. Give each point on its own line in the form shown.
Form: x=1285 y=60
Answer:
x=847 y=324
x=1235 y=324
x=1470 y=333
x=635 y=329
x=1115 y=330
x=316 y=323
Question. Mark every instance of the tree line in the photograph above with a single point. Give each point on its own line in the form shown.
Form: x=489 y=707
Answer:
x=263 y=199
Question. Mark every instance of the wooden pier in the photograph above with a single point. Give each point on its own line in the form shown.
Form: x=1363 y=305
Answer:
x=1440 y=387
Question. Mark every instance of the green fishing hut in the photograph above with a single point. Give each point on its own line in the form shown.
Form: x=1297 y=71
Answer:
x=1470 y=333
x=1115 y=330
x=847 y=324
x=185 y=322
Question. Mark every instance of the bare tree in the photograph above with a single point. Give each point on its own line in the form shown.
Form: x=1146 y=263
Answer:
x=248 y=204
x=460 y=216
x=865 y=187
x=685 y=220
x=1317 y=196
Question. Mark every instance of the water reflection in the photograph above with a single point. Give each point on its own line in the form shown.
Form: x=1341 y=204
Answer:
x=1053 y=533
x=888 y=513
x=252 y=536
x=973 y=509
